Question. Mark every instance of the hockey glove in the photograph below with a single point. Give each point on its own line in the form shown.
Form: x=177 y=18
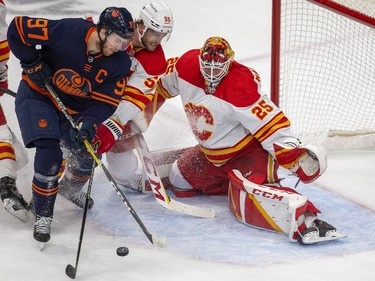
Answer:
x=107 y=134
x=87 y=129
x=4 y=80
x=38 y=72
x=307 y=162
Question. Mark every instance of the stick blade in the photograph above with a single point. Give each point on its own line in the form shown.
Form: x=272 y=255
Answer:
x=71 y=271
x=159 y=241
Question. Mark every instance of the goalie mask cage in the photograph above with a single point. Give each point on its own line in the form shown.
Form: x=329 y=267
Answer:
x=323 y=69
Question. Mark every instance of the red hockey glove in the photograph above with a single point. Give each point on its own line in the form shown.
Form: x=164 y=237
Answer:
x=306 y=162
x=106 y=136
x=4 y=80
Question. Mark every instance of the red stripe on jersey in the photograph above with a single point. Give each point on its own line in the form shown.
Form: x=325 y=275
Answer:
x=223 y=155
x=4 y=51
x=6 y=151
x=137 y=97
x=278 y=122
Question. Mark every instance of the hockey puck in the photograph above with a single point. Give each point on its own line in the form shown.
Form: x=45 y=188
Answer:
x=122 y=251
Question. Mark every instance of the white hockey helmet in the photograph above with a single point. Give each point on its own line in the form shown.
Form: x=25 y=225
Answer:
x=158 y=17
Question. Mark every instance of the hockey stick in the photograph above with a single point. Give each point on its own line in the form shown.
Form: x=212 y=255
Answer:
x=160 y=241
x=158 y=188
x=7 y=91
x=70 y=270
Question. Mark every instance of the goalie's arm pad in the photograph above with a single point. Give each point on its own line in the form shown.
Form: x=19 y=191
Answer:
x=307 y=162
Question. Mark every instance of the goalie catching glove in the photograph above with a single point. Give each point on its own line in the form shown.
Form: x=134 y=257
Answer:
x=106 y=136
x=307 y=162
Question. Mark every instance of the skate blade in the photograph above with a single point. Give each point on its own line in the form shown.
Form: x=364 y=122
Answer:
x=314 y=240
x=41 y=246
x=22 y=214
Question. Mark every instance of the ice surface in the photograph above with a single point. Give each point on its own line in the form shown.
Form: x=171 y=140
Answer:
x=217 y=249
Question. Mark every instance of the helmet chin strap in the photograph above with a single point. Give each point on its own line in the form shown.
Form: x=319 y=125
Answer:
x=140 y=36
x=101 y=44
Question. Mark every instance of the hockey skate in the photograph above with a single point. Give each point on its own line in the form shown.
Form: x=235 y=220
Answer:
x=42 y=228
x=74 y=194
x=318 y=232
x=13 y=200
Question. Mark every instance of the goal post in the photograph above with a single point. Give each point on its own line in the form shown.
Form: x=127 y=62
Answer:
x=323 y=68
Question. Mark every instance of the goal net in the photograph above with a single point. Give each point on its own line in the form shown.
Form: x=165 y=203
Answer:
x=323 y=69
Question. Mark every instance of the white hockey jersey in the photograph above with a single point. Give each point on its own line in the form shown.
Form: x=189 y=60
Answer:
x=141 y=84
x=233 y=118
x=4 y=48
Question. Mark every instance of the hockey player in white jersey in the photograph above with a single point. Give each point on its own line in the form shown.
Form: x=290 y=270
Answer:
x=140 y=102
x=243 y=138
x=114 y=137
x=10 y=148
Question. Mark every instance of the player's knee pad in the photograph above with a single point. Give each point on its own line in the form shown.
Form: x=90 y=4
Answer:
x=48 y=157
x=122 y=165
x=266 y=207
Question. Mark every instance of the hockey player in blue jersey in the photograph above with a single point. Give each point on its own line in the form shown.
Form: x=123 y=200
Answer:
x=85 y=65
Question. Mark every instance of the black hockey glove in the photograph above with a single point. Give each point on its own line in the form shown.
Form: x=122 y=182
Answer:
x=38 y=72
x=87 y=129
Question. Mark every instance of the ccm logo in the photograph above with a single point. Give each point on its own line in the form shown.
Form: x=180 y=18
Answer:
x=266 y=194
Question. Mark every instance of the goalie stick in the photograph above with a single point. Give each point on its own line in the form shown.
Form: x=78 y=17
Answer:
x=158 y=188
x=8 y=91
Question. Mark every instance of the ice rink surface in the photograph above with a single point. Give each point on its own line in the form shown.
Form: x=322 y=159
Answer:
x=197 y=249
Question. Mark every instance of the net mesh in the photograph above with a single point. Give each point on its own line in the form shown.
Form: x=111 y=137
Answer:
x=327 y=70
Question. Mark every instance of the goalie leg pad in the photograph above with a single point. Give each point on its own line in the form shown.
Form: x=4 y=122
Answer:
x=266 y=207
x=122 y=166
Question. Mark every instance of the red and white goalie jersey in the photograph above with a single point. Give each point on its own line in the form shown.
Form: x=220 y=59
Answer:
x=234 y=118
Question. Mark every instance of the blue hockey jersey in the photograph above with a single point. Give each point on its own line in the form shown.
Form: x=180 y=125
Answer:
x=91 y=85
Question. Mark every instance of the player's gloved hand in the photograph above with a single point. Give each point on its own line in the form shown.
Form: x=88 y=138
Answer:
x=106 y=135
x=4 y=80
x=38 y=72
x=87 y=129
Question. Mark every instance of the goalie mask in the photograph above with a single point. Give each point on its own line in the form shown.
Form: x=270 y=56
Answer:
x=215 y=59
x=158 y=17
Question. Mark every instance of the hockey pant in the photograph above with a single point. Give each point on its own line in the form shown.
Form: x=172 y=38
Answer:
x=194 y=171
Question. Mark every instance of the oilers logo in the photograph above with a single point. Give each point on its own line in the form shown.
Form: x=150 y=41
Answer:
x=71 y=83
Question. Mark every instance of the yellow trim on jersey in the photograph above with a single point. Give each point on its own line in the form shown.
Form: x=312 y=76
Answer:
x=227 y=153
x=271 y=127
x=264 y=213
x=4 y=57
x=7 y=155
